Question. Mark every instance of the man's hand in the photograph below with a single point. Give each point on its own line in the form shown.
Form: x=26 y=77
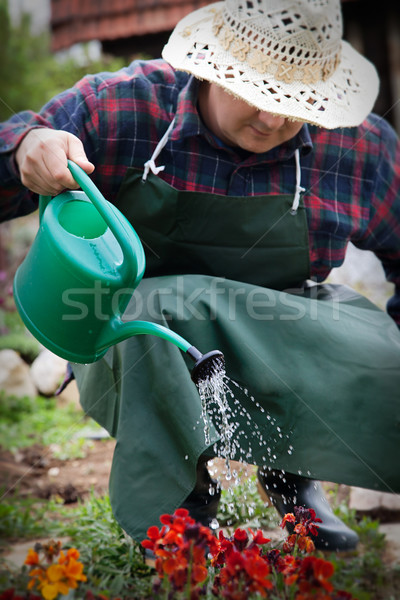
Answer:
x=42 y=160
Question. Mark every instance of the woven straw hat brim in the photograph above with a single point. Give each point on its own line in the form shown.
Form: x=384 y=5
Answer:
x=343 y=100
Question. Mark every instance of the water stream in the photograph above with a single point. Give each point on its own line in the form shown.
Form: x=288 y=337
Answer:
x=221 y=414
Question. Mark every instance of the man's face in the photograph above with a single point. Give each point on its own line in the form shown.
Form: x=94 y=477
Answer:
x=237 y=123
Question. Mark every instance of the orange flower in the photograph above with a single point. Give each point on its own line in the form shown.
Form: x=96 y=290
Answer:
x=38 y=576
x=74 y=572
x=58 y=578
x=71 y=553
x=55 y=583
x=32 y=557
x=50 y=591
x=55 y=573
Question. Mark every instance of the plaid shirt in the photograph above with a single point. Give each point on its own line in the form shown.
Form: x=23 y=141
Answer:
x=351 y=176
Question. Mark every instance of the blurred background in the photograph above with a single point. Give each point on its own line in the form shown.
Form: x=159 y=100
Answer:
x=47 y=45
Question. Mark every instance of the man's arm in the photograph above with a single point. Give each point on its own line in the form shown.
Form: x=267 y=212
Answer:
x=383 y=234
x=34 y=148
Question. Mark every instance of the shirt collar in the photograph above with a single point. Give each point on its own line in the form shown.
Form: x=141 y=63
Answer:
x=187 y=119
x=188 y=123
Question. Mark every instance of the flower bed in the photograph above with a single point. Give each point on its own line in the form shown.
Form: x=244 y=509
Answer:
x=191 y=563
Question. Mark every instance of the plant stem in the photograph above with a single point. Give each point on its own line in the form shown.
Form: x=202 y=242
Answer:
x=189 y=573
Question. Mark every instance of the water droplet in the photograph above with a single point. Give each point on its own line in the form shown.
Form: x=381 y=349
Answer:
x=214 y=524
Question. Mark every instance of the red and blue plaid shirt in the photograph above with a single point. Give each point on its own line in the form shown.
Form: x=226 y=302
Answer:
x=351 y=176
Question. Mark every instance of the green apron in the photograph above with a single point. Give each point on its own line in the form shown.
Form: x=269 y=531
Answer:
x=321 y=364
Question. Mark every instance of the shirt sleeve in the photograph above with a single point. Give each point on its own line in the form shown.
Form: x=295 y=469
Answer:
x=70 y=111
x=383 y=233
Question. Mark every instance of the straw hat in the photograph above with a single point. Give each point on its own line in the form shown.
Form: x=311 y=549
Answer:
x=286 y=57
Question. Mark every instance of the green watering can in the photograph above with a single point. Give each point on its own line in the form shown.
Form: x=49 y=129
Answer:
x=79 y=276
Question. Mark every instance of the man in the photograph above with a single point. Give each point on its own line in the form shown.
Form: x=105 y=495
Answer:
x=246 y=160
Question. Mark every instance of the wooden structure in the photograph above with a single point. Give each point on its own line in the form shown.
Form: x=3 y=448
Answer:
x=125 y=27
x=130 y=27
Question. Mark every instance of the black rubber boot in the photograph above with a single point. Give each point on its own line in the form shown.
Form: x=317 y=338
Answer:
x=286 y=490
x=203 y=501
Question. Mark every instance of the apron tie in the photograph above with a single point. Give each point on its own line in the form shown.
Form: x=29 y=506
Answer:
x=299 y=188
x=150 y=165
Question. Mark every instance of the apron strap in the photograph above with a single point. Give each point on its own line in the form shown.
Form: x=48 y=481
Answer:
x=298 y=189
x=150 y=165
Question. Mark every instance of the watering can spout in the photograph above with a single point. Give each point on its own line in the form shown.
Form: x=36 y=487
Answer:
x=119 y=330
x=205 y=364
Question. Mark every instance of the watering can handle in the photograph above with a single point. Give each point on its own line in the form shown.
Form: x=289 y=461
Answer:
x=131 y=246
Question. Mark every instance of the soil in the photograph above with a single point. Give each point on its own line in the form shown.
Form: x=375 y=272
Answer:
x=34 y=472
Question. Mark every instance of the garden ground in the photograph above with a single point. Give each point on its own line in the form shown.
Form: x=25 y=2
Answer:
x=36 y=473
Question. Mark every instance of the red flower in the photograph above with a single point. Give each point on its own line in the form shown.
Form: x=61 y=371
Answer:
x=307 y=517
x=180 y=548
x=240 y=539
x=306 y=544
x=220 y=550
x=242 y=570
x=314 y=573
x=199 y=573
x=288 y=518
x=289 y=543
x=244 y=573
x=304 y=520
x=10 y=594
x=259 y=538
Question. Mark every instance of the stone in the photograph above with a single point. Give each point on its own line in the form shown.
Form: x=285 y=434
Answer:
x=392 y=538
x=364 y=500
x=15 y=378
x=70 y=395
x=362 y=271
x=47 y=372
